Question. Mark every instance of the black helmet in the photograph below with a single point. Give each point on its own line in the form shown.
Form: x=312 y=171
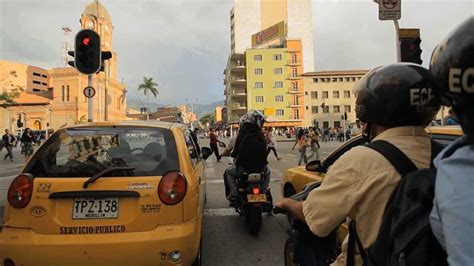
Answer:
x=452 y=68
x=396 y=95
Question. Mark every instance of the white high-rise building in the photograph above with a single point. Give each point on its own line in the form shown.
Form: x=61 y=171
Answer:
x=248 y=17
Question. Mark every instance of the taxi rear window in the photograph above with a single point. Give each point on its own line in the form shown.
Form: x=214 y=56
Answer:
x=83 y=152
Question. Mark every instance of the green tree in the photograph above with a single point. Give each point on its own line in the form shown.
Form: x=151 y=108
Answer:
x=148 y=87
x=207 y=118
x=8 y=96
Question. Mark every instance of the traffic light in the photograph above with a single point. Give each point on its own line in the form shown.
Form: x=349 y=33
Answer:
x=87 y=54
x=410 y=50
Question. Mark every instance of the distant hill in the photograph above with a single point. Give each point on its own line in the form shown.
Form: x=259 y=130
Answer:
x=199 y=109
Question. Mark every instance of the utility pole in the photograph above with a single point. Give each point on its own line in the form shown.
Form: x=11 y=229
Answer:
x=107 y=74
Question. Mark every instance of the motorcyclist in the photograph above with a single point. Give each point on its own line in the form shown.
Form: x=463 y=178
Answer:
x=359 y=184
x=249 y=153
x=452 y=218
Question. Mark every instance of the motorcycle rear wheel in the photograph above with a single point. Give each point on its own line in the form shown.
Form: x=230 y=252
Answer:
x=253 y=218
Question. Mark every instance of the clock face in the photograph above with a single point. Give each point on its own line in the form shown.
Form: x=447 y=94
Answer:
x=90 y=24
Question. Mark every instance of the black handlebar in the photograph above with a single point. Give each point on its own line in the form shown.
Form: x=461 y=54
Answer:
x=278 y=211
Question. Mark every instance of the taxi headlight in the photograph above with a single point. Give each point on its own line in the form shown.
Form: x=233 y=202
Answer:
x=175 y=255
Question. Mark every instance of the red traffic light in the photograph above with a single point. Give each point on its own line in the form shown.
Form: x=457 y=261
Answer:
x=86 y=41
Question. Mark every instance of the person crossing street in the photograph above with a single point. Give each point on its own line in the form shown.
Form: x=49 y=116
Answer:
x=9 y=142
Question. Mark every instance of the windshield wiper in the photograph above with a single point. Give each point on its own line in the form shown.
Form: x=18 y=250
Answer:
x=100 y=174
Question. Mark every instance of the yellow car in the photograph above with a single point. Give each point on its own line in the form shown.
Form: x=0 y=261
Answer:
x=295 y=178
x=127 y=193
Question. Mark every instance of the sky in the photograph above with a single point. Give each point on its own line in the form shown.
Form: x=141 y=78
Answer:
x=184 y=44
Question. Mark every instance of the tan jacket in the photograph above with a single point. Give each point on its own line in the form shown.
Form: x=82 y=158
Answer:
x=359 y=184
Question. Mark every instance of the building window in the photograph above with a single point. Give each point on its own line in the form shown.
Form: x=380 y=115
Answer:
x=44 y=84
x=279 y=98
x=296 y=100
x=278 y=71
x=307 y=107
x=297 y=114
x=314 y=95
x=67 y=93
x=325 y=94
x=258 y=85
x=326 y=109
x=353 y=79
x=347 y=79
x=36 y=74
x=278 y=84
x=295 y=86
x=325 y=124
x=315 y=80
x=277 y=57
x=36 y=82
x=340 y=80
x=280 y=112
x=259 y=99
x=347 y=108
x=347 y=94
x=335 y=94
x=334 y=79
x=336 y=109
x=63 y=93
x=358 y=78
x=294 y=72
x=257 y=57
x=337 y=124
x=305 y=93
x=294 y=58
x=314 y=109
x=258 y=71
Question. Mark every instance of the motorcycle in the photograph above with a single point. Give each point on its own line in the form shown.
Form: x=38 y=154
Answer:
x=253 y=200
x=304 y=248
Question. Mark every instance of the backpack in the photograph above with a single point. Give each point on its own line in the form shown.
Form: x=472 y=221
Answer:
x=405 y=236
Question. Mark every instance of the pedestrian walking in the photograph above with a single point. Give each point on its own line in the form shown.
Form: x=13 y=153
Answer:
x=302 y=143
x=27 y=141
x=213 y=144
x=314 y=143
x=8 y=142
x=271 y=143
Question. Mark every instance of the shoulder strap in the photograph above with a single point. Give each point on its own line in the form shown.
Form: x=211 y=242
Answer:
x=353 y=239
x=396 y=157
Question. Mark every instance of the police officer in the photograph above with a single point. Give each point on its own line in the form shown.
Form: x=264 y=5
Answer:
x=394 y=103
x=452 y=217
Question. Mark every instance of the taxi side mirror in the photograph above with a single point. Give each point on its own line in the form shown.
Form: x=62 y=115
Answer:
x=313 y=166
x=206 y=152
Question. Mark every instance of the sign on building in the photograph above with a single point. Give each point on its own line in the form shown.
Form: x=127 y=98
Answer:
x=271 y=33
x=389 y=9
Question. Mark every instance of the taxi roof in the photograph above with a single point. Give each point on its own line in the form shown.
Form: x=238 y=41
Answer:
x=447 y=130
x=131 y=123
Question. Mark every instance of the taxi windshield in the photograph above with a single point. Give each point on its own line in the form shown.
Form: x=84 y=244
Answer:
x=83 y=152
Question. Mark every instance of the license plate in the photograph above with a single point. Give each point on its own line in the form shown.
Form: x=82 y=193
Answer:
x=257 y=198
x=107 y=208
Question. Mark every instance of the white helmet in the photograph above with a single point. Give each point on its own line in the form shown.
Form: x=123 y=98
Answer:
x=253 y=117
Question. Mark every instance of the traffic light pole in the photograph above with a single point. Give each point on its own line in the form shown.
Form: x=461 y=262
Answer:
x=90 y=101
x=397 y=40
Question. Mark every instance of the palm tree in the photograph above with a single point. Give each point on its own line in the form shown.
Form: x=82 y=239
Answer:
x=148 y=87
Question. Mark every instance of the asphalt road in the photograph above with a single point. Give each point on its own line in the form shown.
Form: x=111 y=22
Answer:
x=225 y=239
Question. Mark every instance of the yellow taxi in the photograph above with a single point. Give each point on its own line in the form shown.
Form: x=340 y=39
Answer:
x=127 y=193
x=295 y=178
